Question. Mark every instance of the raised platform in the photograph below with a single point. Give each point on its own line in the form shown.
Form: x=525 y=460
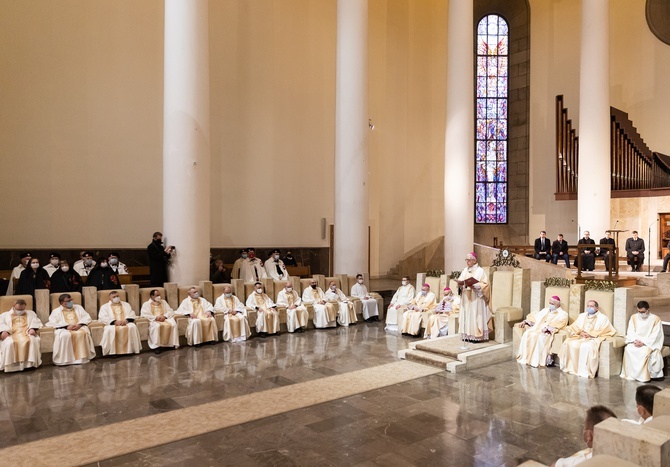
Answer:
x=620 y=280
x=446 y=353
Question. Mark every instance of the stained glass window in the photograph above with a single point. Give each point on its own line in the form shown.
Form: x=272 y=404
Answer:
x=491 y=121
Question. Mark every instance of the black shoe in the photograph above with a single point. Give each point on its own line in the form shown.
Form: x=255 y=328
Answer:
x=158 y=350
x=263 y=334
x=376 y=318
x=299 y=330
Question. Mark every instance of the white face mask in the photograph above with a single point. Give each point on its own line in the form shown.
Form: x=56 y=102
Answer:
x=423 y=292
x=244 y=256
x=88 y=262
x=195 y=296
x=643 y=315
x=259 y=291
x=103 y=265
x=113 y=261
x=70 y=304
x=360 y=281
x=591 y=310
x=276 y=256
x=228 y=295
x=34 y=265
x=157 y=298
x=333 y=288
x=54 y=262
x=116 y=300
x=289 y=289
x=404 y=282
x=65 y=268
x=552 y=307
x=19 y=312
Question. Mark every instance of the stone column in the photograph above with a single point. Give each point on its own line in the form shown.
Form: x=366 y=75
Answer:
x=351 y=138
x=186 y=146
x=593 y=189
x=459 y=175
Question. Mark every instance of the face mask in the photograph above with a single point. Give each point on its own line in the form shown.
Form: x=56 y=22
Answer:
x=552 y=307
x=404 y=282
x=157 y=298
x=245 y=256
x=116 y=300
x=195 y=295
x=19 y=312
x=34 y=265
x=70 y=304
x=88 y=262
x=113 y=261
x=276 y=256
x=333 y=288
x=65 y=268
x=643 y=315
x=423 y=292
x=103 y=265
x=252 y=255
x=54 y=262
x=259 y=291
x=360 y=281
x=591 y=310
x=314 y=286
x=289 y=289
x=228 y=295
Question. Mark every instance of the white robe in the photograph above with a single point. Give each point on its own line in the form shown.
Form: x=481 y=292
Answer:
x=369 y=304
x=71 y=347
x=82 y=270
x=161 y=333
x=120 y=268
x=438 y=323
x=271 y=269
x=118 y=340
x=296 y=317
x=237 y=267
x=473 y=322
x=20 y=350
x=347 y=314
x=252 y=270
x=643 y=363
x=50 y=269
x=536 y=341
x=580 y=356
x=16 y=273
x=402 y=297
x=267 y=317
x=417 y=314
x=325 y=315
x=201 y=328
x=235 y=321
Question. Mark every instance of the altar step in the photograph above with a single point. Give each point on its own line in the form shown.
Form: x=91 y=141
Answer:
x=446 y=352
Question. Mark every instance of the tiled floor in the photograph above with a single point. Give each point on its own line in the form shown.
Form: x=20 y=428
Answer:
x=493 y=416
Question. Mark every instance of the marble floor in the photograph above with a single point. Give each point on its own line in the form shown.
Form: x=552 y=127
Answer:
x=321 y=398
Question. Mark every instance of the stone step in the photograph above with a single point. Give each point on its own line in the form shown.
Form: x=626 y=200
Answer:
x=644 y=291
x=428 y=358
x=655 y=302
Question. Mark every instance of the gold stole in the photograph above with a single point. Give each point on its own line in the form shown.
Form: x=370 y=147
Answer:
x=20 y=337
x=164 y=327
x=205 y=322
x=121 y=339
x=78 y=338
x=234 y=321
x=290 y=298
x=331 y=311
x=268 y=315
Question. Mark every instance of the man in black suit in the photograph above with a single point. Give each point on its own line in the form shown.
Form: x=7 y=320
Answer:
x=635 y=252
x=607 y=254
x=559 y=249
x=159 y=258
x=588 y=255
x=543 y=247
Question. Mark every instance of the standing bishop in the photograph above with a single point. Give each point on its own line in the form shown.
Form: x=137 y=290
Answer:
x=163 y=330
x=475 y=313
x=73 y=344
x=535 y=346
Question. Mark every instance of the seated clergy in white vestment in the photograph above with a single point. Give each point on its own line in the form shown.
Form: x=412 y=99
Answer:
x=642 y=359
x=275 y=268
x=325 y=313
x=19 y=341
x=267 y=316
x=296 y=313
x=346 y=314
x=579 y=352
x=417 y=313
x=73 y=344
x=594 y=415
x=163 y=331
x=370 y=312
x=438 y=323
x=120 y=335
x=252 y=269
x=235 y=322
x=541 y=327
x=201 y=324
x=401 y=299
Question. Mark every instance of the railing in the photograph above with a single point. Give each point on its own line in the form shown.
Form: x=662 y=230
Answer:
x=633 y=165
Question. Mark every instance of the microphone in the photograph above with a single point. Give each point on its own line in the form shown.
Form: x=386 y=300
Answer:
x=617 y=221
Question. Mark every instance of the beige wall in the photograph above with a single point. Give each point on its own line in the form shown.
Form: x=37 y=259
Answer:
x=640 y=214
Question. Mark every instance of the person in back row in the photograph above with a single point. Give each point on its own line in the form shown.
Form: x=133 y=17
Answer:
x=54 y=262
x=559 y=250
x=65 y=279
x=635 y=252
x=16 y=272
x=33 y=278
x=102 y=277
x=252 y=269
x=84 y=265
x=274 y=267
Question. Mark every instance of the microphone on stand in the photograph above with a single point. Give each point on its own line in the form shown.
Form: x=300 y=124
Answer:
x=617 y=221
